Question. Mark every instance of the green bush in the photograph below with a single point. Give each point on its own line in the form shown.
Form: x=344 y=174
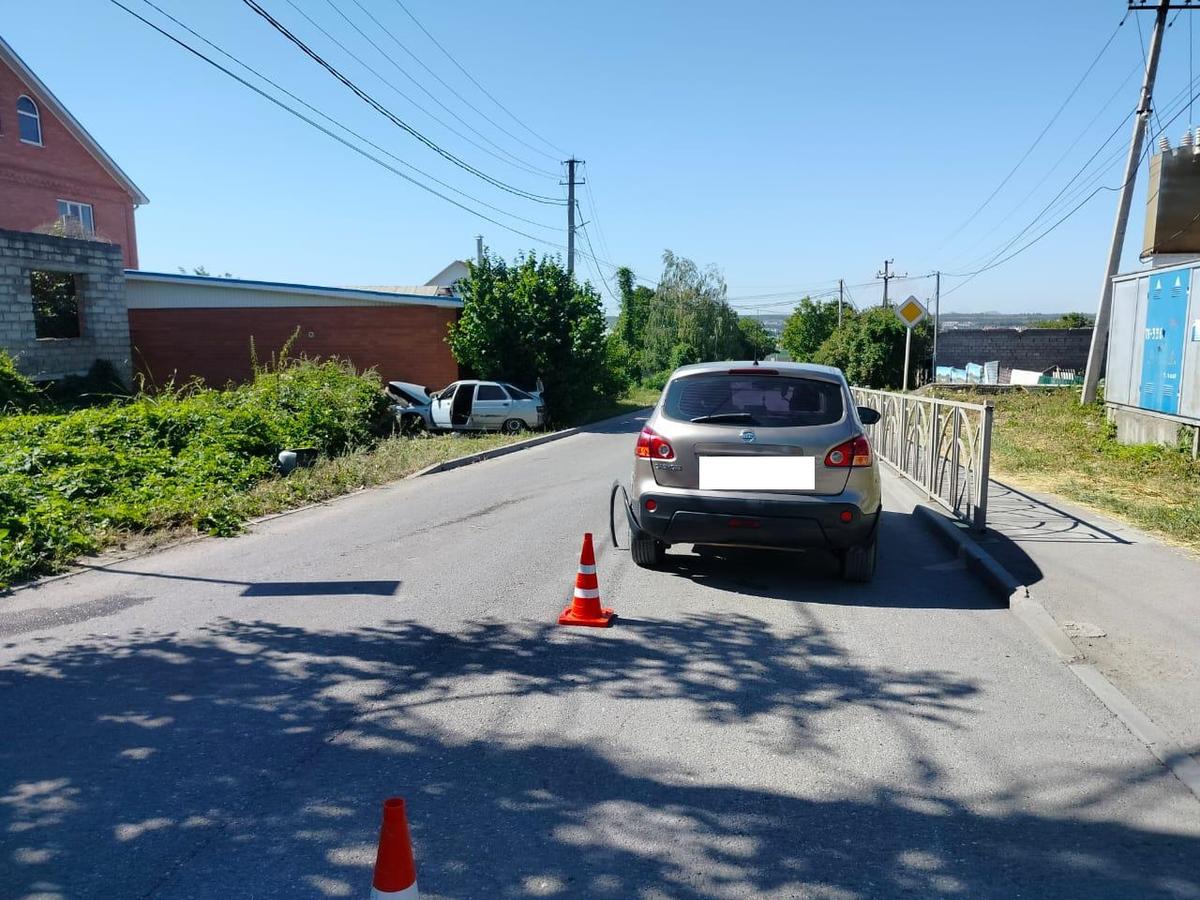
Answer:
x=16 y=391
x=179 y=459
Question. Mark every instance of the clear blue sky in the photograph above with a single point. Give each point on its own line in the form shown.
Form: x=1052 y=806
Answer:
x=789 y=143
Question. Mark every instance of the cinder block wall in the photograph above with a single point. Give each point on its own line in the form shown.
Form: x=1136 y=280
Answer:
x=1016 y=348
x=103 y=320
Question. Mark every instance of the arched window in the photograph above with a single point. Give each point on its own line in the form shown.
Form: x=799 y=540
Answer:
x=29 y=121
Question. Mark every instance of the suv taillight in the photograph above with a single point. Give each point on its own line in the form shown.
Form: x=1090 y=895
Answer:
x=651 y=446
x=855 y=452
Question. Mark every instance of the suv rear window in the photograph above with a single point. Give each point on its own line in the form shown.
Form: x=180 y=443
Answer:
x=765 y=400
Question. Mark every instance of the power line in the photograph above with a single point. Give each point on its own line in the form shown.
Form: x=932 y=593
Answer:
x=559 y=151
x=338 y=124
x=448 y=87
x=970 y=276
x=997 y=259
x=1061 y=159
x=1038 y=139
x=507 y=156
x=391 y=116
x=359 y=150
x=513 y=161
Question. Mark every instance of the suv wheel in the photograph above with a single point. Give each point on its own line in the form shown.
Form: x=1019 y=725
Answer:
x=858 y=563
x=646 y=551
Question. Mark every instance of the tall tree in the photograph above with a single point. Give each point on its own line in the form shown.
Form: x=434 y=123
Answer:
x=689 y=320
x=757 y=342
x=532 y=320
x=807 y=328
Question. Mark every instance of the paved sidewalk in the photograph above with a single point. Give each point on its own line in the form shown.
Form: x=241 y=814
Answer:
x=1130 y=603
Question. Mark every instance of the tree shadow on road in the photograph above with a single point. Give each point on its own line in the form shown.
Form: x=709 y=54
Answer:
x=252 y=761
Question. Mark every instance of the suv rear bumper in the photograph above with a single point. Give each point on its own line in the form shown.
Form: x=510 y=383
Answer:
x=791 y=523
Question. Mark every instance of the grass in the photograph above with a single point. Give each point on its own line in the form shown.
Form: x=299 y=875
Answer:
x=146 y=470
x=1047 y=441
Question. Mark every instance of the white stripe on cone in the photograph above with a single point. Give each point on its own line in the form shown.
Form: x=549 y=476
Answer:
x=587 y=593
x=586 y=570
x=408 y=893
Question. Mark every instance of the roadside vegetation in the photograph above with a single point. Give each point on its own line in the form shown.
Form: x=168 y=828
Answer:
x=868 y=346
x=1047 y=441
x=137 y=470
x=684 y=319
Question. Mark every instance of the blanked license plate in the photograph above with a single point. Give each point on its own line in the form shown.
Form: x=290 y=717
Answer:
x=758 y=473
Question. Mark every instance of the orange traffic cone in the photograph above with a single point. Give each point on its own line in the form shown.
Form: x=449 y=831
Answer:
x=585 y=608
x=395 y=873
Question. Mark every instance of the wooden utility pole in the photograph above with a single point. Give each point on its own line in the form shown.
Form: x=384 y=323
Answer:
x=841 y=298
x=1091 y=377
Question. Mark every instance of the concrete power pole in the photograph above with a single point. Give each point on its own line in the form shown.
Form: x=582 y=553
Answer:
x=1091 y=378
x=937 y=316
x=887 y=276
x=571 y=163
x=479 y=249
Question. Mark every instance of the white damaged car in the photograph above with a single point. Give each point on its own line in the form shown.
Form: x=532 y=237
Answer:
x=467 y=406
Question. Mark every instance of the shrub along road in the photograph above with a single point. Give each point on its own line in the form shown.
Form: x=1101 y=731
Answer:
x=224 y=718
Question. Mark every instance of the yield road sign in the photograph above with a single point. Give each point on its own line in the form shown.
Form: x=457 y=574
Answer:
x=911 y=311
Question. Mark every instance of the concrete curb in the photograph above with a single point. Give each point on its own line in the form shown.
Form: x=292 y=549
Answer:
x=956 y=537
x=1034 y=616
x=459 y=462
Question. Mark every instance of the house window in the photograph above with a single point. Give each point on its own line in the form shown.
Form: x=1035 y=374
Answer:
x=55 y=304
x=29 y=121
x=76 y=218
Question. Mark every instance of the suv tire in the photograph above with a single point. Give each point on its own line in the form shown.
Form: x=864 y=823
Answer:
x=858 y=563
x=647 y=552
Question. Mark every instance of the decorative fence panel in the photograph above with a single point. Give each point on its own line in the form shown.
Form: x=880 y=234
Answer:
x=942 y=446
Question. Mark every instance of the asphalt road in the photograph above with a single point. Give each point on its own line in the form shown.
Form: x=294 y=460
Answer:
x=223 y=719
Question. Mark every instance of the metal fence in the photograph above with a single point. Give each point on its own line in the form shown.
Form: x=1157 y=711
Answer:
x=942 y=446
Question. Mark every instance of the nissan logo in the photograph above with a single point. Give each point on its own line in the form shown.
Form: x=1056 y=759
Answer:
x=748 y=437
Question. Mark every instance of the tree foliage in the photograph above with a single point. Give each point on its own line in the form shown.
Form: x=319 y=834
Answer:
x=869 y=349
x=531 y=320
x=807 y=328
x=757 y=342
x=689 y=320
x=1067 y=320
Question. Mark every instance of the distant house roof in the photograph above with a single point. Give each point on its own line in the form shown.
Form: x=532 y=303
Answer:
x=419 y=290
x=46 y=96
x=456 y=271
x=208 y=291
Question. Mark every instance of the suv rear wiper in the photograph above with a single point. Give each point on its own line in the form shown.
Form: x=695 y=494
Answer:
x=726 y=417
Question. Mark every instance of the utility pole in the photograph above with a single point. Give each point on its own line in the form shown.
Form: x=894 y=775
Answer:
x=1091 y=377
x=571 y=164
x=887 y=276
x=937 y=316
x=841 y=293
x=479 y=249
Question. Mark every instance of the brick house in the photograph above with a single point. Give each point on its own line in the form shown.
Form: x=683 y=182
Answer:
x=52 y=170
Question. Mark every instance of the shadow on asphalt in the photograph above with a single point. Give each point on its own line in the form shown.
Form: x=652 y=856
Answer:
x=254 y=758
x=1016 y=518
x=903 y=579
x=343 y=588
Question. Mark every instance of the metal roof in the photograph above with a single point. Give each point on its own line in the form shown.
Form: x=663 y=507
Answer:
x=283 y=287
x=46 y=96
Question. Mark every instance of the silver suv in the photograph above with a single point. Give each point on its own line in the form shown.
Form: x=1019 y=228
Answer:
x=757 y=455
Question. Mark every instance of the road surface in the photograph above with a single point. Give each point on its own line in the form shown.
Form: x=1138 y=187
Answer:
x=224 y=719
